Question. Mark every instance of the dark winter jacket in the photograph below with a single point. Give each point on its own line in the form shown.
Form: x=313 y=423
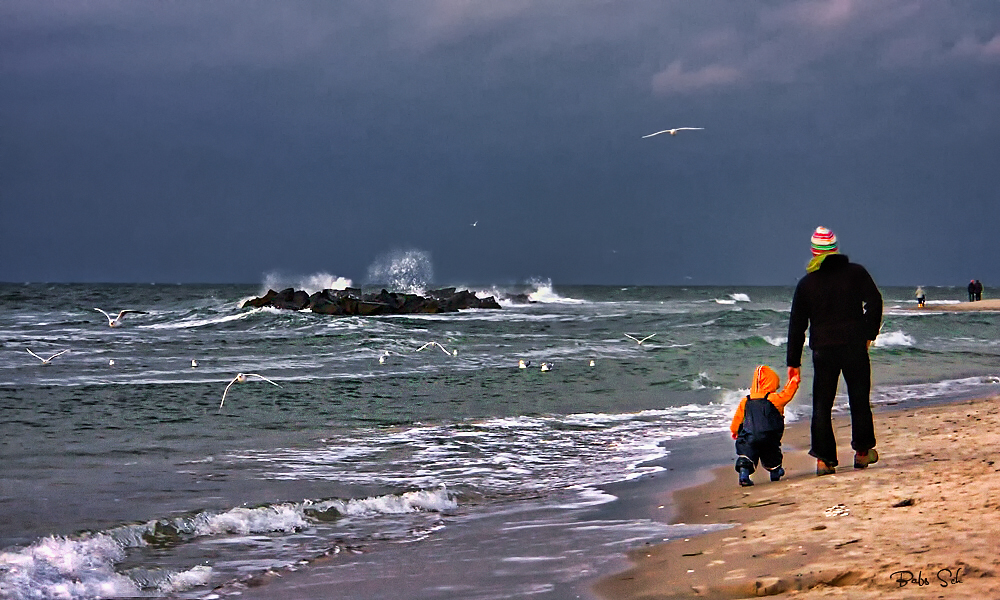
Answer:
x=839 y=303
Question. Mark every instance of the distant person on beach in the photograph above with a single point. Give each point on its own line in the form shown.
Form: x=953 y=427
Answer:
x=841 y=306
x=759 y=423
x=979 y=290
x=972 y=290
x=921 y=297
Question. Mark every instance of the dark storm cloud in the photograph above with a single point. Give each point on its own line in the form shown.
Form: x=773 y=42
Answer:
x=222 y=140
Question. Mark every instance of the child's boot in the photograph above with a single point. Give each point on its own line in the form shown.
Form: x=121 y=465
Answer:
x=745 y=478
x=777 y=473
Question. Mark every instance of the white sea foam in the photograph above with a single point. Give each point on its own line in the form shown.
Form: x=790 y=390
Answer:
x=279 y=517
x=893 y=338
x=316 y=282
x=950 y=388
x=738 y=297
x=59 y=567
x=725 y=301
x=498 y=455
x=439 y=500
x=202 y=322
x=775 y=341
x=185 y=580
x=545 y=294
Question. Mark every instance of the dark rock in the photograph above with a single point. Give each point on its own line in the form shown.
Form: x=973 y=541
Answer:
x=520 y=299
x=264 y=300
x=290 y=299
x=489 y=302
x=351 y=302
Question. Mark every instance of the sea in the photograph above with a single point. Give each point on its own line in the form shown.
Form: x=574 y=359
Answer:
x=351 y=460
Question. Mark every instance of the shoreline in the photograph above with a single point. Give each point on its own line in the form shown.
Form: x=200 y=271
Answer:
x=927 y=507
x=976 y=306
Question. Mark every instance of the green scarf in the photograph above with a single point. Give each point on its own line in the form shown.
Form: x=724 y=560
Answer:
x=816 y=261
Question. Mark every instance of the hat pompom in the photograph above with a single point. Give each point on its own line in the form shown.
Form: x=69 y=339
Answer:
x=823 y=241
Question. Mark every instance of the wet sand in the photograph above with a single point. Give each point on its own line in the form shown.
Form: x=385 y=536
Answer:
x=923 y=522
x=979 y=305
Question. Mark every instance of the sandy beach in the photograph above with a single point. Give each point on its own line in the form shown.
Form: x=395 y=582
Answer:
x=923 y=522
x=979 y=305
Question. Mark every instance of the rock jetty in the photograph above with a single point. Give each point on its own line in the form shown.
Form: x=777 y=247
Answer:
x=351 y=301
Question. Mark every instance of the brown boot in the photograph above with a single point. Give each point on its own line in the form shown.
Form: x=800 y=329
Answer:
x=863 y=459
x=822 y=468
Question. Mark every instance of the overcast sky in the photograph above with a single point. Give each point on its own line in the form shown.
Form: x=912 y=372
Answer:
x=199 y=141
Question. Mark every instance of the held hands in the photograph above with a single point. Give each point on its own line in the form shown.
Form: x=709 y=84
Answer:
x=794 y=373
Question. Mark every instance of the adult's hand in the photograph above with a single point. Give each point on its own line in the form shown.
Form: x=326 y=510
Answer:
x=794 y=373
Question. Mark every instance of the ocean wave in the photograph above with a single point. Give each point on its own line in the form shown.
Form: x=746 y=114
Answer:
x=316 y=282
x=497 y=455
x=891 y=339
x=949 y=388
x=207 y=321
x=775 y=340
x=60 y=567
x=84 y=566
x=545 y=294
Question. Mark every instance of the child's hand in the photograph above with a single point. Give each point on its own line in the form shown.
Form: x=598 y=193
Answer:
x=734 y=436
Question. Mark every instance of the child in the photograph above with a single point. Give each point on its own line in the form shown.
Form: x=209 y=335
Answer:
x=759 y=423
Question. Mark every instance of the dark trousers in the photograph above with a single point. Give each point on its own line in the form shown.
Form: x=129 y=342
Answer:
x=767 y=450
x=828 y=364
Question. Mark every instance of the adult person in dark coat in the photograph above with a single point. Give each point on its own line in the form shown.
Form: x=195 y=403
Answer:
x=979 y=290
x=841 y=306
x=972 y=290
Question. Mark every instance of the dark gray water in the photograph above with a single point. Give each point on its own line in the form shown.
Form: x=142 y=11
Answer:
x=129 y=479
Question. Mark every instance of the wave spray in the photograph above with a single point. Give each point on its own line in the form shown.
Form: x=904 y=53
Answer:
x=407 y=271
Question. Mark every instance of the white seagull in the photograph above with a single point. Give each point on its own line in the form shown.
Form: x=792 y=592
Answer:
x=240 y=378
x=46 y=361
x=382 y=357
x=546 y=366
x=194 y=363
x=673 y=131
x=638 y=340
x=443 y=349
x=115 y=322
x=523 y=365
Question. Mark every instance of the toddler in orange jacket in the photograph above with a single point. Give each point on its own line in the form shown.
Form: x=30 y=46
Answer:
x=759 y=423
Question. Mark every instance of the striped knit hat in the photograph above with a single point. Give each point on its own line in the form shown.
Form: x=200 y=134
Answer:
x=823 y=241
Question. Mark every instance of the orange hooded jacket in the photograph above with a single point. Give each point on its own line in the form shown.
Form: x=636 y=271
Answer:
x=765 y=381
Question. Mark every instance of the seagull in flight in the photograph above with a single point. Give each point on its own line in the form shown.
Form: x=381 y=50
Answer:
x=443 y=349
x=115 y=322
x=673 y=131
x=46 y=361
x=240 y=378
x=638 y=340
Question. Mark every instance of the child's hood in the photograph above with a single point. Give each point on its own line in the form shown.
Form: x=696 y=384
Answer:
x=765 y=381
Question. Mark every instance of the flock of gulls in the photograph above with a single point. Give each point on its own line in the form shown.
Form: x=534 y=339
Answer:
x=243 y=377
